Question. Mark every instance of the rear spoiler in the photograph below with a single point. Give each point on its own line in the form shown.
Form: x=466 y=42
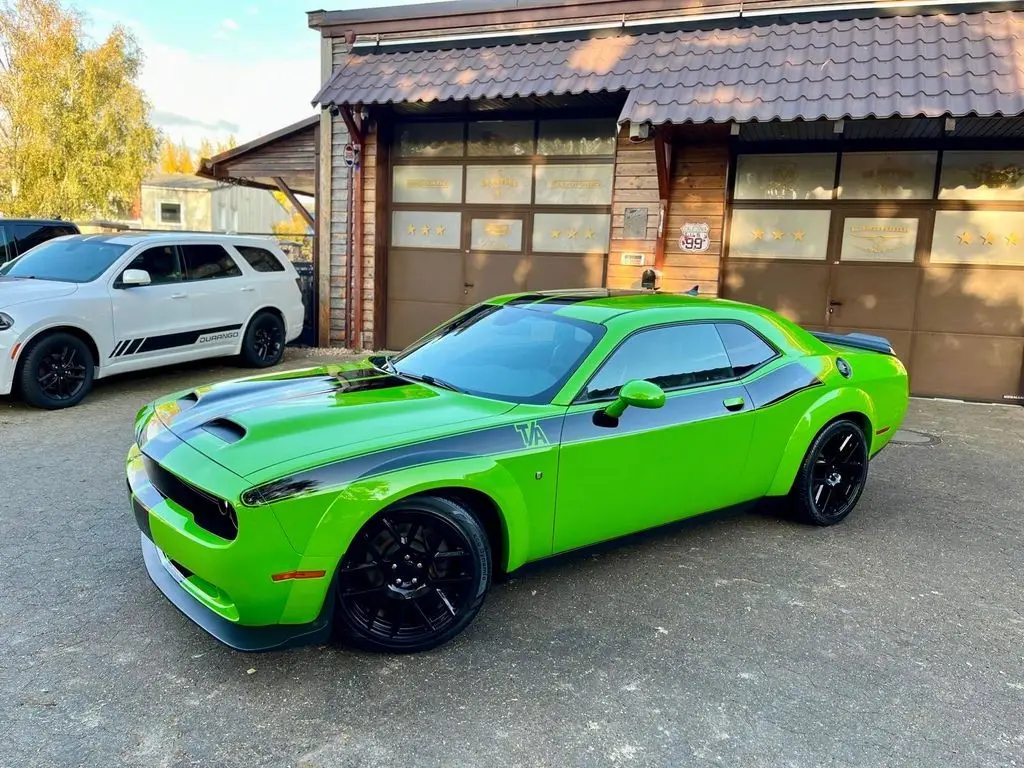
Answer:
x=856 y=341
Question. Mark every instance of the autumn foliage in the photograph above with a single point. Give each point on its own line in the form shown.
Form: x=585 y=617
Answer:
x=75 y=131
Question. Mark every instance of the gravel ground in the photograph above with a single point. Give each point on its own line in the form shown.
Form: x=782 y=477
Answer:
x=893 y=639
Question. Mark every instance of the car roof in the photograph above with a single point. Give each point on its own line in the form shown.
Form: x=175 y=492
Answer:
x=54 y=222
x=133 y=238
x=598 y=305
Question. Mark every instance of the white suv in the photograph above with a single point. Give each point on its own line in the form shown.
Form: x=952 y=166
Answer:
x=89 y=306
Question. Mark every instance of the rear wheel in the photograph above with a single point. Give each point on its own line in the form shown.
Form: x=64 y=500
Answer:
x=263 y=345
x=832 y=475
x=414 y=577
x=56 y=372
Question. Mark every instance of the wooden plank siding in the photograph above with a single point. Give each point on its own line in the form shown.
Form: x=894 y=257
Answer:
x=697 y=194
x=291 y=155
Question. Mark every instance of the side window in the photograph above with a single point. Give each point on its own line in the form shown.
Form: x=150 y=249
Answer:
x=207 y=262
x=746 y=349
x=28 y=236
x=162 y=264
x=260 y=259
x=672 y=357
x=7 y=251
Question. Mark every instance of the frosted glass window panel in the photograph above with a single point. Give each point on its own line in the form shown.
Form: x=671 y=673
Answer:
x=430 y=140
x=501 y=138
x=887 y=175
x=426 y=229
x=893 y=240
x=427 y=184
x=496 y=235
x=978 y=237
x=571 y=232
x=996 y=176
x=499 y=184
x=577 y=137
x=808 y=176
x=574 y=184
x=780 y=234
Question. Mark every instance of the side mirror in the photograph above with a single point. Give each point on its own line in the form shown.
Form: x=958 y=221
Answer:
x=639 y=394
x=132 y=277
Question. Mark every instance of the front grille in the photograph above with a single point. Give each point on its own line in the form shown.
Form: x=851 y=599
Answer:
x=210 y=513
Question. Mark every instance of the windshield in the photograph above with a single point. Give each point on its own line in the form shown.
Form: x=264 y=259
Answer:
x=502 y=352
x=72 y=260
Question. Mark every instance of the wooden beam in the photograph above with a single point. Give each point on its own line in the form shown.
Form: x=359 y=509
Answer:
x=663 y=163
x=355 y=245
x=303 y=212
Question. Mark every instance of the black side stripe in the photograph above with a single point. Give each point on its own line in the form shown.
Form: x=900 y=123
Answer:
x=119 y=346
x=132 y=348
x=183 y=339
x=506 y=438
x=781 y=383
x=578 y=427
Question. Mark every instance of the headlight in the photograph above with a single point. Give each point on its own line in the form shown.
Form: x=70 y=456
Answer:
x=6 y=321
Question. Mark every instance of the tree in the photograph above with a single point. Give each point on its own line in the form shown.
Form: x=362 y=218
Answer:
x=75 y=132
x=175 y=158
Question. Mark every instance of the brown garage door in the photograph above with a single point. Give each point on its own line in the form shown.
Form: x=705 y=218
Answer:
x=944 y=281
x=483 y=208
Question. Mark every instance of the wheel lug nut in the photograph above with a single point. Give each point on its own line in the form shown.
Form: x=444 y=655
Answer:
x=394 y=566
x=415 y=581
x=407 y=557
x=419 y=565
x=398 y=582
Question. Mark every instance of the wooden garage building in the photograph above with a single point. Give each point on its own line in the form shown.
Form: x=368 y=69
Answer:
x=854 y=166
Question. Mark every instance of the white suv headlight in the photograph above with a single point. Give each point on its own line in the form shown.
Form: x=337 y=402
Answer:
x=6 y=321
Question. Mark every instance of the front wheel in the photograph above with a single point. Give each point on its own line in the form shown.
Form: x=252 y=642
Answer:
x=263 y=345
x=414 y=577
x=57 y=372
x=832 y=475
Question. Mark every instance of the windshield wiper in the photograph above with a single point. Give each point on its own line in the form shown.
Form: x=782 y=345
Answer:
x=426 y=379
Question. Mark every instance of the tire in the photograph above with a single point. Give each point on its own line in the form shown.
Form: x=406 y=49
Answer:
x=832 y=475
x=401 y=588
x=56 y=372
x=263 y=345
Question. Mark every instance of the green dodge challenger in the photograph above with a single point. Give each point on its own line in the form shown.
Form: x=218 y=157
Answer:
x=378 y=500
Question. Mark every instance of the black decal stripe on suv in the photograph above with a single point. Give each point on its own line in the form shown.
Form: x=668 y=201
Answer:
x=183 y=339
x=133 y=347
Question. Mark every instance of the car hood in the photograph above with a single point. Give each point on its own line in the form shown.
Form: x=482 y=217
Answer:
x=19 y=290
x=267 y=425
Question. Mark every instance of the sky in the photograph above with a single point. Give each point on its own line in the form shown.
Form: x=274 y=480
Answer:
x=219 y=67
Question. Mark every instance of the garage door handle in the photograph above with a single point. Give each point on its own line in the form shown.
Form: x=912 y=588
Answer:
x=734 y=403
x=835 y=303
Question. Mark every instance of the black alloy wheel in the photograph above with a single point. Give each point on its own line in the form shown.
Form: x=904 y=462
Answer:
x=264 y=341
x=414 y=577
x=832 y=475
x=57 y=372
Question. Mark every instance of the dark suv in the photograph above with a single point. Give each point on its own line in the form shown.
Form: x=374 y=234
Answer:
x=18 y=235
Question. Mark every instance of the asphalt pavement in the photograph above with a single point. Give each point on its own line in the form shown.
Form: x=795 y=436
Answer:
x=894 y=639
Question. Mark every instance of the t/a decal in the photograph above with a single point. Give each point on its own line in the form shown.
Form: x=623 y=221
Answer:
x=532 y=434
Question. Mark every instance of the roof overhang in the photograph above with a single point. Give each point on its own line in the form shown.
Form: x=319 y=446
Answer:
x=288 y=154
x=882 y=67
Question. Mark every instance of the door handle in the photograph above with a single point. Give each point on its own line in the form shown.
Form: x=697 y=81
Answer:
x=734 y=403
x=178 y=295
x=247 y=289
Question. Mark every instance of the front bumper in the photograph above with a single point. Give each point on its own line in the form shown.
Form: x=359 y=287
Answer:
x=225 y=586
x=7 y=366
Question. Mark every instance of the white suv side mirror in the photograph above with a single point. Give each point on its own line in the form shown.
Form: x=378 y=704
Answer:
x=132 y=277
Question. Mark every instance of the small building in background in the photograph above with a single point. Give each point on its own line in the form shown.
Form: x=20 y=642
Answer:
x=190 y=203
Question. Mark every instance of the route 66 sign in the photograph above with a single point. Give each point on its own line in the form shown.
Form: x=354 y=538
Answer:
x=695 y=238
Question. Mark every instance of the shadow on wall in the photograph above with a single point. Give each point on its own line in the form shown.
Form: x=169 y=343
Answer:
x=959 y=330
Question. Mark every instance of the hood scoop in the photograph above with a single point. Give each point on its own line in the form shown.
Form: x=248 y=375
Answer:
x=226 y=430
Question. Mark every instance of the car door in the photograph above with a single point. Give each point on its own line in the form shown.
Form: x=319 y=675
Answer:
x=152 y=323
x=659 y=465
x=222 y=295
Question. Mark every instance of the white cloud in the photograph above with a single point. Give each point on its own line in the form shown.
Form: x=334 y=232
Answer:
x=225 y=86
x=230 y=24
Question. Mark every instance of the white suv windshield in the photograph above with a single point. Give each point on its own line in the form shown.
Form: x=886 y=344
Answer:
x=67 y=261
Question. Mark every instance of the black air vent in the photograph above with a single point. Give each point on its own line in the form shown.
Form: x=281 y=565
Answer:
x=226 y=430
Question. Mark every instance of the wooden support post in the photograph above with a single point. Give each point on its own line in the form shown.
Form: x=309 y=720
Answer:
x=355 y=247
x=663 y=163
x=287 y=192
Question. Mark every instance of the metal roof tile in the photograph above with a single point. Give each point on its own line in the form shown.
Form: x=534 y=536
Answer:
x=897 y=66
